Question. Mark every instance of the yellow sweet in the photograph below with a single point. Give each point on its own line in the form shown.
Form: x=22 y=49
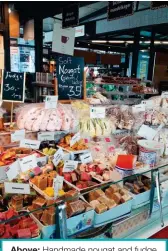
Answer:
x=49 y=191
x=61 y=192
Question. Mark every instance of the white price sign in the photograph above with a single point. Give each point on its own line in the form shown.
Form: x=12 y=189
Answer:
x=28 y=162
x=17 y=188
x=97 y=112
x=29 y=143
x=138 y=108
x=42 y=136
x=164 y=95
x=70 y=166
x=86 y=158
x=147 y=132
x=58 y=156
x=51 y=102
x=148 y=103
x=57 y=184
x=17 y=135
x=12 y=171
x=75 y=139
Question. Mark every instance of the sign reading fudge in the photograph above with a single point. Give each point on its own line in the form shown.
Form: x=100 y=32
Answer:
x=70 y=16
x=119 y=9
x=158 y=4
x=13 y=86
x=70 y=83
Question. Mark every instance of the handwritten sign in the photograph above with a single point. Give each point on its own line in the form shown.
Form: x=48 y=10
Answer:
x=51 y=102
x=17 y=135
x=86 y=158
x=164 y=95
x=138 y=108
x=13 y=86
x=147 y=132
x=17 y=188
x=58 y=156
x=70 y=77
x=70 y=16
x=42 y=136
x=75 y=139
x=33 y=144
x=28 y=162
x=119 y=9
x=97 y=112
x=57 y=184
x=12 y=171
x=69 y=166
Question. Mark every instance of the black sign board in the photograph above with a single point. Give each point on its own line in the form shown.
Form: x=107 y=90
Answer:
x=119 y=9
x=158 y=4
x=70 y=83
x=13 y=86
x=70 y=16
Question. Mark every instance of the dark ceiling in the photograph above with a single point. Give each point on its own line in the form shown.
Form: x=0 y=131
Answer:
x=43 y=9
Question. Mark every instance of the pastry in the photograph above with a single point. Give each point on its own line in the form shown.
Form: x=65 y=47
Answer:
x=116 y=197
x=101 y=208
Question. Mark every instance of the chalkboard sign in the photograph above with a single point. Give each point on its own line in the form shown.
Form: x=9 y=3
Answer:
x=158 y=4
x=70 y=16
x=70 y=78
x=13 y=86
x=119 y=9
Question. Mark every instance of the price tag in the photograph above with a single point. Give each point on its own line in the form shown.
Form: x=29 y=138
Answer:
x=69 y=166
x=97 y=112
x=17 y=188
x=86 y=158
x=51 y=102
x=29 y=143
x=164 y=95
x=28 y=162
x=12 y=171
x=148 y=103
x=17 y=135
x=57 y=184
x=147 y=132
x=75 y=139
x=138 y=108
x=58 y=156
x=42 y=136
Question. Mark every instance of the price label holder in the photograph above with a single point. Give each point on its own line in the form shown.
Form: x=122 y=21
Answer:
x=70 y=166
x=42 y=136
x=29 y=143
x=86 y=158
x=147 y=132
x=138 y=108
x=51 y=102
x=164 y=95
x=97 y=112
x=16 y=188
x=57 y=184
x=58 y=156
x=18 y=135
x=148 y=103
x=27 y=163
x=75 y=139
x=12 y=171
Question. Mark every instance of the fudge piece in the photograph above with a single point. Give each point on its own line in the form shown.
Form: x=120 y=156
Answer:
x=42 y=182
x=24 y=233
x=123 y=191
x=75 y=207
x=99 y=192
x=74 y=177
x=85 y=176
x=17 y=202
x=109 y=193
x=94 y=203
x=38 y=203
x=101 y=208
x=110 y=204
x=114 y=188
x=50 y=180
x=125 y=198
x=116 y=197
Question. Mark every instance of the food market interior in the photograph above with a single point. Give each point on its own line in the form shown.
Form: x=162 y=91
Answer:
x=84 y=120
